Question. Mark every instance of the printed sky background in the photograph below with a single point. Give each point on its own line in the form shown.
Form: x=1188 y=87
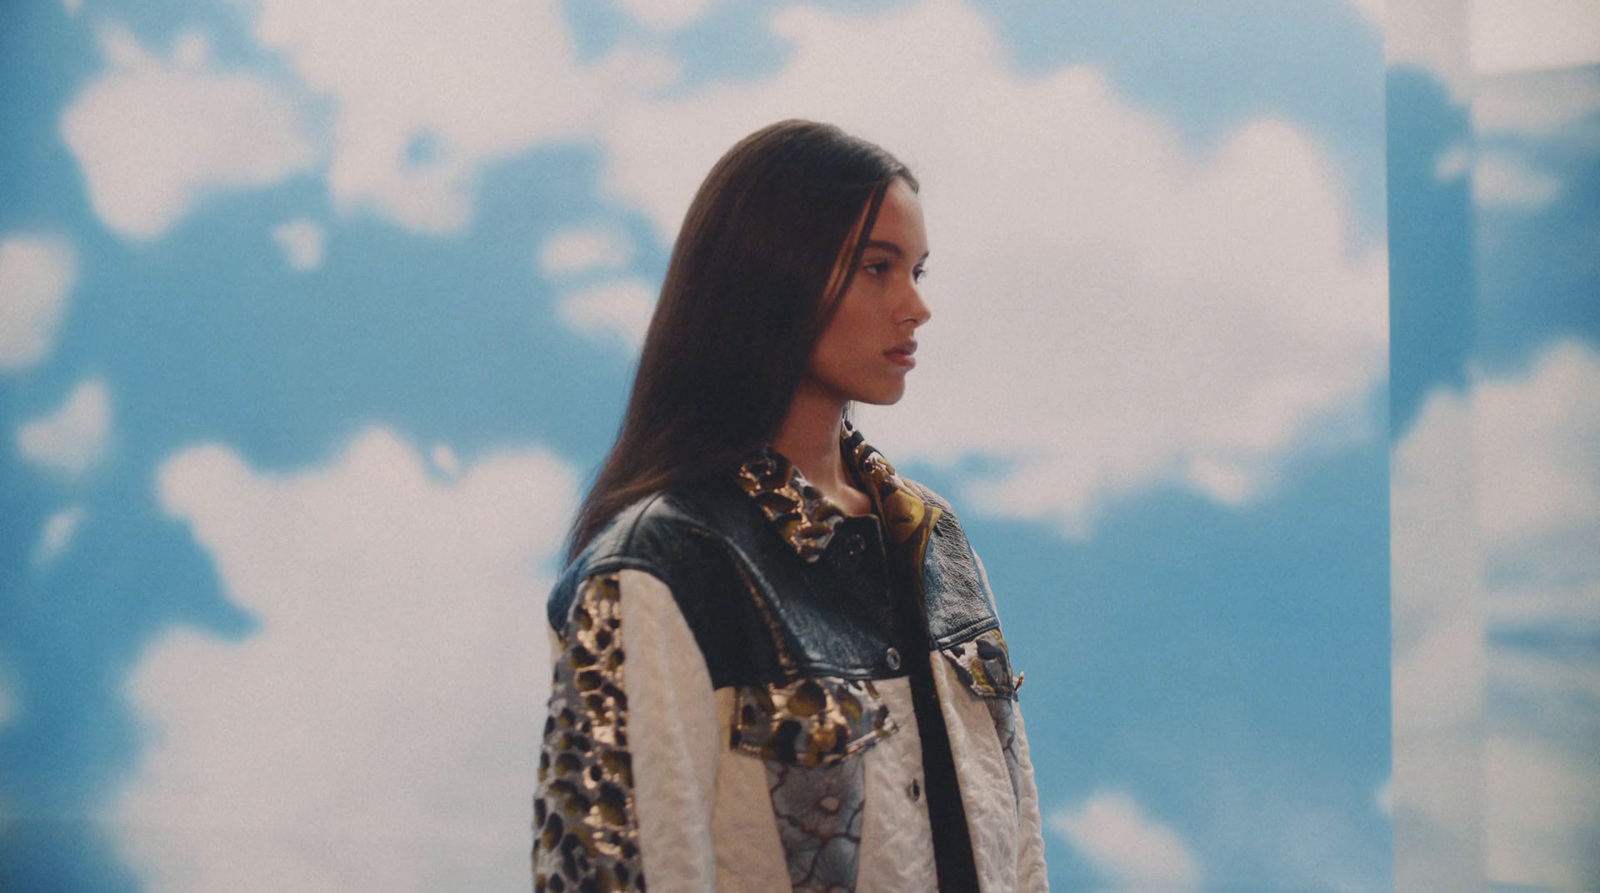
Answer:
x=1494 y=186
x=317 y=315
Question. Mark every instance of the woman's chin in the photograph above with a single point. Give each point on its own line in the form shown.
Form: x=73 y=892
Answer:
x=882 y=397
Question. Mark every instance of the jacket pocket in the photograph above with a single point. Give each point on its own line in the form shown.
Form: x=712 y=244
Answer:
x=810 y=734
x=809 y=722
x=983 y=665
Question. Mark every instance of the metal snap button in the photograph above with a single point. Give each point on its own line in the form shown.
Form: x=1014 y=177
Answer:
x=892 y=658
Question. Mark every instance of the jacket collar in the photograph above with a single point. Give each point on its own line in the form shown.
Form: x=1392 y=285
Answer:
x=805 y=518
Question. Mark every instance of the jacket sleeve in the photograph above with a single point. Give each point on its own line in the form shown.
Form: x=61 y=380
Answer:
x=1031 y=872
x=628 y=768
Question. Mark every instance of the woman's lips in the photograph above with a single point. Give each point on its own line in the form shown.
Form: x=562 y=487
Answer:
x=902 y=354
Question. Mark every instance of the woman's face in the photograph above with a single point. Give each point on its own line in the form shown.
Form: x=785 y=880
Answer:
x=865 y=351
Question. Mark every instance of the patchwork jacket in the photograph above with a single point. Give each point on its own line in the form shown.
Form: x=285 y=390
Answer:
x=729 y=710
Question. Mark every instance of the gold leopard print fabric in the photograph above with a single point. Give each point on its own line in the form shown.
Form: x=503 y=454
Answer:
x=586 y=836
x=984 y=665
x=809 y=722
x=804 y=517
x=901 y=511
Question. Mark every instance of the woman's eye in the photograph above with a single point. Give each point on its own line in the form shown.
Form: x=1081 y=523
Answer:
x=918 y=273
x=877 y=267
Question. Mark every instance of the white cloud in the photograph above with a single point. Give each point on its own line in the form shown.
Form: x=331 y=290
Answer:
x=1538 y=513
x=1537 y=106
x=612 y=309
x=1224 y=292
x=1109 y=313
x=665 y=14
x=1458 y=40
x=1132 y=852
x=424 y=92
x=1550 y=686
x=1371 y=10
x=1519 y=35
x=1437 y=612
x=1431 y=35
x=57 y=534
x=1171 y=319
x=74 y=438
x=1438 y=681
x=444 y=459
x=301 y=242
x=155 y=136
x=1496 y=528
x=36 y=275
x=1504 y=179
x=73 y=7
x=1558 y=586
x=1544 y=816
x=584 y=249
x=1283 y=834
x=1538 y=506
x=1438 y=653
x=375 y=733
x=1536 y=438
x=635 y=70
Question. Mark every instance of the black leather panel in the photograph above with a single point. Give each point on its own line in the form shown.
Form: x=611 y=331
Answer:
x=958 y=604
x=760 y=613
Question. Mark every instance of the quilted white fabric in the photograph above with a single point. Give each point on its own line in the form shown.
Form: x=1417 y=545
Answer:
x=705 y=816
x=985 y=780
x=672 y=733
x=896 y=845
x=1031 y=873
x=749 y=854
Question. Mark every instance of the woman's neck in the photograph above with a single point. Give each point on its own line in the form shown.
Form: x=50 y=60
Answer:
x=809 y=437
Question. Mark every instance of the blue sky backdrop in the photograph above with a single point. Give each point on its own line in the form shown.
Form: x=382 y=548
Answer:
x=1494 y=138
x=316 y=316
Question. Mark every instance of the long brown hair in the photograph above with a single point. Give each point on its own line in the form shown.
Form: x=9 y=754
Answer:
x=754 y=276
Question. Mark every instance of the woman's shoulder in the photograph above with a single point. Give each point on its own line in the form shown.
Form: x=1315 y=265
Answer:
x=668 y=534
x=928 y=495
x=653 y=526
x=700 y=549
x=947 y=522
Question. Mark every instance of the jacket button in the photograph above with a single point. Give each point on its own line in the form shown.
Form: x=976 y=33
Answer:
x=892 y=658
x=914 y=790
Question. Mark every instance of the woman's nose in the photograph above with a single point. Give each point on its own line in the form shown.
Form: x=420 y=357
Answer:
x=915 y=310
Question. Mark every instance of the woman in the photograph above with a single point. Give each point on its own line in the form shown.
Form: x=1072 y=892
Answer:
x=778 y=664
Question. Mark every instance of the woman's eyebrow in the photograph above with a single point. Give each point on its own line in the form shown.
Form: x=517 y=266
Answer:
x=891 y=247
